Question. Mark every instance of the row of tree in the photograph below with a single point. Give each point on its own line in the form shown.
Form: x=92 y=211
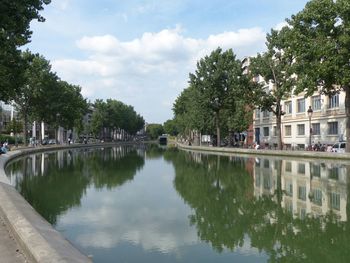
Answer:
x=311 y=54
x=44 y=97
x=38 y=93
x=218 y=97
x=114 y=117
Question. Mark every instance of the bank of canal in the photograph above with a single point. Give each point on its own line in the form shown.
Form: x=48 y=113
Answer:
x=149 y=204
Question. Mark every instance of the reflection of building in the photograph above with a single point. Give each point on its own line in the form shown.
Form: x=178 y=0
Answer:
x=308 y=187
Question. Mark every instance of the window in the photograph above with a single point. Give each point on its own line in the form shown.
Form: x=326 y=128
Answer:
x=257 y=113
x=317 y=196
x=316 y=102
x=335 y=201
x=302 y=193
x=333 y=101
x=288 y=167
x=288 y=130
x=266 y=114
x=315 y=170
x=274 y=130
x=288 y=107
x=334 y=173
x=301 y=105
x=266 y=131
x=301 y=168
x=316 y=128
x=289 y=188
x=267 y=182
x=266 y=163
x=333 y=127
x=301 y=129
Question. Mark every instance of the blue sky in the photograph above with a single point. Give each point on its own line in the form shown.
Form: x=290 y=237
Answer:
x=141 y=51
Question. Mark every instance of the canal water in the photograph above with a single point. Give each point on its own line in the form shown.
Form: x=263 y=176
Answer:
x=152 y=204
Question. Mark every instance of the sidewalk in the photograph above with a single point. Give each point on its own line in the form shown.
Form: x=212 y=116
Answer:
x=10 y=251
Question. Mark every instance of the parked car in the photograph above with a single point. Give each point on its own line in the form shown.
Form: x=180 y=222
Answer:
x=52 y=141
x=339 y=147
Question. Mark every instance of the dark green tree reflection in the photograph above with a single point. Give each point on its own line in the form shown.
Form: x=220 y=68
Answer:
x=55 y=182
x=237 y=200
x=220 y=191
x=115 y=166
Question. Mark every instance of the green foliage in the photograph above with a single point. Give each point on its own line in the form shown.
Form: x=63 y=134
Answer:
x=114 y=114
x=15 y=18
x=14 y=126
x=154 y=130
x=213 y=102
x=10 y=139
x=319 y=42
x=170 y=127
x=274 y=66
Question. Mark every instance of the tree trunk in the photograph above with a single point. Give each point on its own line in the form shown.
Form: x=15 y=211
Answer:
x=347 y=112
x=25 y=122
x=217 y=129
x=278 y=131
x=278 y=126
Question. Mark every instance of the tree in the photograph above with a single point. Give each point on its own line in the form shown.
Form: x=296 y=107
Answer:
x=114 y=115
x=154 y=130
x=170 y=127
x=15 y=18
x=190 y=114
x=274 y=66
x=218 y=81
x=320 y=43
x=36 y=77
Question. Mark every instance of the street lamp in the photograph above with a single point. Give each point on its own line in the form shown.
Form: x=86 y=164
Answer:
x=309 y=113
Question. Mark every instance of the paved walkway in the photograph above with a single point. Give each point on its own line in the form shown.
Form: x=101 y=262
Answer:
x=10 y=251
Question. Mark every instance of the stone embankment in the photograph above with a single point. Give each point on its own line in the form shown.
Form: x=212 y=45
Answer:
x=276 y=153
x=25 y=235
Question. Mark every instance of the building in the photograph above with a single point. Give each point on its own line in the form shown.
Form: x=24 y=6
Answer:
x=316 y=119
x=326 y=125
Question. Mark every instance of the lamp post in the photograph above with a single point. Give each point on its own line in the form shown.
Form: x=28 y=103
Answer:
x=309 y=113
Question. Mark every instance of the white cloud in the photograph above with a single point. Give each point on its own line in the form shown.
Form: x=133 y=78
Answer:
x=280 y=25
x=62 y=4
x=145 y=69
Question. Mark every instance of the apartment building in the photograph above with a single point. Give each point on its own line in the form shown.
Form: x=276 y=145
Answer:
x=326 y=124
x=316 y=119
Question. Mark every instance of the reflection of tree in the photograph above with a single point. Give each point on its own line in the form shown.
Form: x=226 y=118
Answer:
x=57 y=191
x=154 y=151
x=220 y=192
x=67 y=175
x=113 y=168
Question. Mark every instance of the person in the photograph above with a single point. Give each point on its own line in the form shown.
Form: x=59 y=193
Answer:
x=3 y=149
x=85 y=141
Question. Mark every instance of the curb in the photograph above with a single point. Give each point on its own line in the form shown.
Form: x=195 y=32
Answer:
x=39 y=240
x=276 y=153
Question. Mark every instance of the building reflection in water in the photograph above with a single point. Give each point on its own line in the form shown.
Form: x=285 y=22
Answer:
x=308 y=187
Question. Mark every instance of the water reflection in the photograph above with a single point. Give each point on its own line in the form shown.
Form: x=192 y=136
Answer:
x=69 y=173
x=152 y=204
x=295 y=211
x=309 y=187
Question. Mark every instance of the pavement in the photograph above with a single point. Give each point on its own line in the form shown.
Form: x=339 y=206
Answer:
x=10 y=250
x=24 y=235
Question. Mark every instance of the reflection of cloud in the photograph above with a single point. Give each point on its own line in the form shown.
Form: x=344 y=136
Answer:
x=142 y=213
